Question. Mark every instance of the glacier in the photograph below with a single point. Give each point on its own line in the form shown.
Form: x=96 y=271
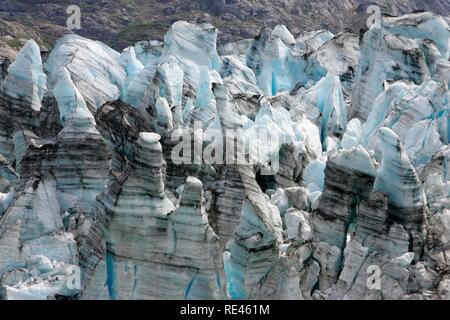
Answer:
x=322 y=157
x=26 y=80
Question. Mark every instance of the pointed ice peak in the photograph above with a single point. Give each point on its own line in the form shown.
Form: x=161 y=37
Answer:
x=193 y=41
x=327 y=96
x=99 y=76
x=30 y=53
x=71 y=103
x=131 y=65
x=136 y=86
x=74 y=114
x=129 y=61
x=280 y=31
x=396 y=176
x=389 y=141
x=261 y=224
x=164 y=114
x=169 y=81
x=215 y=77
x=82 y=116
x=26 y=78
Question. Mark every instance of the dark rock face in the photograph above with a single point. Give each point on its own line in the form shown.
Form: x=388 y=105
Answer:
x=215 y=7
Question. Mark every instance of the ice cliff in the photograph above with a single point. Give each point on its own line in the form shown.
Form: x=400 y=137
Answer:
x=323 y=173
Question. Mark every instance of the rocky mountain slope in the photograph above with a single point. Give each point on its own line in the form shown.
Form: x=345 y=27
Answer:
x=121 y=23
x=278 y=167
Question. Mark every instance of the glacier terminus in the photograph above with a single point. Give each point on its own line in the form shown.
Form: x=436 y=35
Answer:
x=343 y=191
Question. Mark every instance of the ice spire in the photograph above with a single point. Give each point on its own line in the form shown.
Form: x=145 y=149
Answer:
x=68 y=97
x=26 y=79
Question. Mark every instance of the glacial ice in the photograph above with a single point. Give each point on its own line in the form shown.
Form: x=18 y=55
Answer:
x=167 y=83
x=95 y=67
x=373 y=71
x=313 y=40
x=148 y=52
x=396 y=176
x=189 y=54
x=277 y=73
x=136 y=88
x=164 y=114
x=359 y=130
x=131 y=65
x=68 y=97
x=337 y=54
x=327 y=97
x=239 y=78
x=42 y=279
x=357 y=158
x=425 y=25
x=352 y=135
x=422 y=140
x=26 y=79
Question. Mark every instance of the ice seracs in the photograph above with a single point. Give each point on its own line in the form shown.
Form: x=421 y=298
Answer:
x=41 y=279
x=189 y=52
x=68 y=97
x=256 y=242
x=181 y=262
x=148 y=52
x=389 y=61
x=95 y=67
x=26 y=80
x=327 y=98
x=396 y=176
x=131 y=65
x=80 y=174
x=326 y=157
